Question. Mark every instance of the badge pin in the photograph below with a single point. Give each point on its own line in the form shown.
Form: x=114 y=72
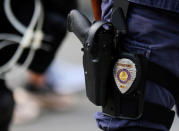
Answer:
x=124 y=74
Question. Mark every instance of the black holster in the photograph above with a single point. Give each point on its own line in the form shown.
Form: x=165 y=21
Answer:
x=97 y=39
x=100 y=45
x=97 y=62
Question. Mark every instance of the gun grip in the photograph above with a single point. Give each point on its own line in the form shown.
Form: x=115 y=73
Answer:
x=79 y=24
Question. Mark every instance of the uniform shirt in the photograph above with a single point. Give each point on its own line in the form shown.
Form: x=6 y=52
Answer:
x=170 y=5
x=154 y=33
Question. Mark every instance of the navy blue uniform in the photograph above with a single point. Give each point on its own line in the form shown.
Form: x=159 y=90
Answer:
x=153 y=32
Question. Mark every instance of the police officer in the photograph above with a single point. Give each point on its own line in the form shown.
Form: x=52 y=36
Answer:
x=153 y=31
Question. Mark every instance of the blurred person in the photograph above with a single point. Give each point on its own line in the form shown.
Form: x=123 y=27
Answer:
x=40 y=90
x=55 y=92
x=7 y=104
x=152 y=36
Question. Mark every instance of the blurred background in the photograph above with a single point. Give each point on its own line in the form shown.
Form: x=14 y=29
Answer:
x=73 y=111
x=77 y=115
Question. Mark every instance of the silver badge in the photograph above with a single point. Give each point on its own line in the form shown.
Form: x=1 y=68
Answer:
x=124 y=74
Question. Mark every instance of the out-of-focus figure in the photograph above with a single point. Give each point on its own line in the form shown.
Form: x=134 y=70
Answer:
x=33 y=31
